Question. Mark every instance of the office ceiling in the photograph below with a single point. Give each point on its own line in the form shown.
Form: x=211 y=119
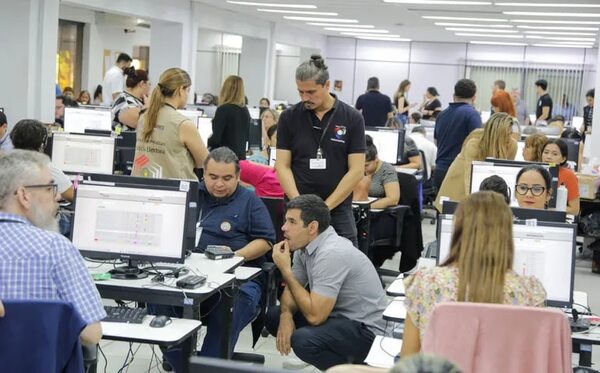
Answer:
x=487 y=21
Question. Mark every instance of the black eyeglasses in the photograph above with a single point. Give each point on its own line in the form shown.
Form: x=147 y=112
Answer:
x=536 y=190
x=52 y=187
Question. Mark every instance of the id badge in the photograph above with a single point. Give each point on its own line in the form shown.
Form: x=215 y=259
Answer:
x=198 y=234
x=318 y=163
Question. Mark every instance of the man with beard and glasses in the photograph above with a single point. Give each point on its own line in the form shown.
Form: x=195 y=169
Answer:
x=233 y=216
x=37 y=263
x=321 y=146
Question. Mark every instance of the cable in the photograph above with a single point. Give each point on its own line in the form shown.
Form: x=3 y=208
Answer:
x=382 y=339
x=103 y=356
x=125 y=364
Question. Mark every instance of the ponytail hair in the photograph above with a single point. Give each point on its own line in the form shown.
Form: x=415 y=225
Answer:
x=134 y=77
x=169 y=82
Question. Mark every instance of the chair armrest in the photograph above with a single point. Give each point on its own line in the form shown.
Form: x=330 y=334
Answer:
x=268 y=267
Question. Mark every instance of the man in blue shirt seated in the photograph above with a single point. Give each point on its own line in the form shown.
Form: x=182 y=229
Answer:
x=36 y=262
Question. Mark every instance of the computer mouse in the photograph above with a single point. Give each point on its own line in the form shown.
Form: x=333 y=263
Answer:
x=160 y=321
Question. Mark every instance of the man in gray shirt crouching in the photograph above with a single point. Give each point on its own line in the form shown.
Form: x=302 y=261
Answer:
x=335 y=322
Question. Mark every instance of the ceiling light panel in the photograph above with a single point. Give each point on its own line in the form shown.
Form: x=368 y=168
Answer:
x=316 y=19
x=558 y=28
x=547 y=21
x=488 y=35
x=349 y=29
x=438 y=2
x=549 y=5
x=481 y=30
x=364 y=34
x=452 y=24
x=558 y=38
x=553 y=14
x=335 y=25
x=465 y=19
x=381 y=39
x=496 y=43
x=560 y=33
x=305 y=12
x=562 y=46
x=297 y=6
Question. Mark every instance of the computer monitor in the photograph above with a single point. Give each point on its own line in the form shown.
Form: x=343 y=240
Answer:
x=204 y=128
x=207 y=110
x=254 y=112
x=508 y=171
x=449 y=207
x=83 y=153
x=545 y=251
x=577 y=122
x=192 y=115
x=77 y=120
x=389 y=143
x=485 y=115
x=134 y=219
x=573 y=150
x=255 y=134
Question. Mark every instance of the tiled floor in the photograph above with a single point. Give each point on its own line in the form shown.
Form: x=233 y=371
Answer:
x=116 y=352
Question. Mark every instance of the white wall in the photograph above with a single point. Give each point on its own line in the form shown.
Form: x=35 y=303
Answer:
x=253 y=68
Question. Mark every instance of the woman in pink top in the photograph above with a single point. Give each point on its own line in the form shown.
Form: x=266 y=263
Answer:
x=262 y=178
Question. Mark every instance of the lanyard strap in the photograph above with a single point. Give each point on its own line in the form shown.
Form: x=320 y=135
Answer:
x=325 y=129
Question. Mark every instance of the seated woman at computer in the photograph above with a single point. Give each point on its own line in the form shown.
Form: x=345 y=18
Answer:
x=494 y=140
x=129 y=103
x=480 y=261
x=533 y=188
x=168 y=144
x=556 y=151
x=534 y=146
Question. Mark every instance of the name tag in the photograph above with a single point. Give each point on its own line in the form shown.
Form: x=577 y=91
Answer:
x=198 y=234
x=318 y=164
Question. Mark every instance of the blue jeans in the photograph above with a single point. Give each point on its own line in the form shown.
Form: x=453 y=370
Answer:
x=337 y=341
x=245 y=308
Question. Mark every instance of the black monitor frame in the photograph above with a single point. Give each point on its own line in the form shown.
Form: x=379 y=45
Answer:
x=552 y=216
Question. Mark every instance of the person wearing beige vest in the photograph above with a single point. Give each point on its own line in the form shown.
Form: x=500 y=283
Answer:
x=494 y=140
x=168 y=144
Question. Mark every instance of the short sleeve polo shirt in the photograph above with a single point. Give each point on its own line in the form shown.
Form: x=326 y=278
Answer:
x=543 y=101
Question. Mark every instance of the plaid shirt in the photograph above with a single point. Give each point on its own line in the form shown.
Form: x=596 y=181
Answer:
x=37 y=264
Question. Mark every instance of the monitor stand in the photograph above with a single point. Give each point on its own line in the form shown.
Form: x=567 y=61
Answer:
x=128 y=272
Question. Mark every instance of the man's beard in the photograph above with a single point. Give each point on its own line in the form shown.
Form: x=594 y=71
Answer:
x=44 y=220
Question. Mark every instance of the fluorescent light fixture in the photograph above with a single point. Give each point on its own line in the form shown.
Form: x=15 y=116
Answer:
x=561 y=33
x=562 y=46
x=572 y=42
x=452 y=24
x=558 y=28
x=552 y=14
x=306 y=12
x=438 y=2
x=495 y=43
x=558 y=38
x=363 y=34
x=251 y=3
x=550 y=5
x=488 y=35
x=335 y=25
x=317 y=19
x=349 y=29
x=481 y=30
x=545 y=21
x=381 y=38
x=465 y=19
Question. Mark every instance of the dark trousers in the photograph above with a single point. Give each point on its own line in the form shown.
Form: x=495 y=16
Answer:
x=342 y=220
x=438 y=177
x=337 y=341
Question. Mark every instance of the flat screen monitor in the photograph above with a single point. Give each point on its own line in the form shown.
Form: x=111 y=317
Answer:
x=255 y=134
x=449 y=207
x=545 y=251
x=573 y=150
x=485 y=115
x=192 y=115
x=389 y=143
x=126 y=139
x=204 y=128
x=134 y=219
x=254 y=112
x=206 y=110
x=83 y=153
x=508 y=171
x=577 y=122
x=77 y=120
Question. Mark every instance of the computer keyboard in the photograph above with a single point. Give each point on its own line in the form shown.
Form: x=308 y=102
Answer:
x=124 y=314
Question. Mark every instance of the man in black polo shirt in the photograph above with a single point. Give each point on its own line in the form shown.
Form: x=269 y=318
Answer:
x=321 y=146
x=375 y=107
x=543 y=109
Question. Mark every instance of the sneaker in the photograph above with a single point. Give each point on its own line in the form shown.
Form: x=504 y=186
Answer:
x=292 y=362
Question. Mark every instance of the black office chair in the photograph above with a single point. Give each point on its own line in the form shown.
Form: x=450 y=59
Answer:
x=393 y=242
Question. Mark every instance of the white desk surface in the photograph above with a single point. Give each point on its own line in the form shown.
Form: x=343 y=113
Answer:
x=200 y=263
x=246 y=273
x=395 y=311
x=383 y=351
x=170 y=333
x=405 y=170
x=396 y=288
x=581 y=298
x=367 y=202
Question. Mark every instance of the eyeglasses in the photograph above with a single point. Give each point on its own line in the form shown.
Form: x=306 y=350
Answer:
x=52 y=187
x=536 y=190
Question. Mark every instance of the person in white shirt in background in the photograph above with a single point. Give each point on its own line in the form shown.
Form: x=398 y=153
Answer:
x=419 y=136
x=114 y=79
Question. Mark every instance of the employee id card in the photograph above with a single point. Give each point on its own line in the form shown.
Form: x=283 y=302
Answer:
x=318 y=164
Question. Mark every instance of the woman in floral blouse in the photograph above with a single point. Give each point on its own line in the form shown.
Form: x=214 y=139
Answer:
x=478 y=268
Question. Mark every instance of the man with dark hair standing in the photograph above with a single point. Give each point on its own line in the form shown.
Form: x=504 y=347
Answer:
x=321 y=146
x=588 y=111
x=5 y=143
x=452 y=127
x=335 y=322
x=114 y=79
x=376 y=108
x=543 y=109
x=499 y=85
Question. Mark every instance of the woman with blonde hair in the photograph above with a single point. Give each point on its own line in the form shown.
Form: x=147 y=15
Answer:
x=534 y=146
x=232 y=118
x=401 y=101
x=477 y=269
x=494 y=140
x=168 y=144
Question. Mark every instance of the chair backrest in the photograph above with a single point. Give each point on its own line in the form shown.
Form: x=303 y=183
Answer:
x=40 y=336
x=425 y=166
x=500 y=338
x=276 y=207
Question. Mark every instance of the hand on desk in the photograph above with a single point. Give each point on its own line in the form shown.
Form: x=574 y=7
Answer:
x=281 y=255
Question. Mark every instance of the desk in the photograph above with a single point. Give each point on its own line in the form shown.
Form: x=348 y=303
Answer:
x=395 y=311
x=246 y=273
x=383 y=352
x=144 y=290
x=396 y=288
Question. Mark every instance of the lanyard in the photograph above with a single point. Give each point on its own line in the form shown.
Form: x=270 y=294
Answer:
x=325 y=129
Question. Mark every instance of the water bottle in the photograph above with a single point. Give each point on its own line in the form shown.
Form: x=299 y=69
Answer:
x=561 y=198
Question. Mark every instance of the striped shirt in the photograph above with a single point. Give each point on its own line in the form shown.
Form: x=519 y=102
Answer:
x=124 y=101
x=37 y=264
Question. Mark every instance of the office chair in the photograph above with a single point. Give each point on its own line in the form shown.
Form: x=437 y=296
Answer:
x=393 y=241
x=499 y=338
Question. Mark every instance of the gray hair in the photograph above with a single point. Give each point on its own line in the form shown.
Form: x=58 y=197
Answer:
x=313 y=69
x=419 y=129
x=19 y=168
x=223 y=155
